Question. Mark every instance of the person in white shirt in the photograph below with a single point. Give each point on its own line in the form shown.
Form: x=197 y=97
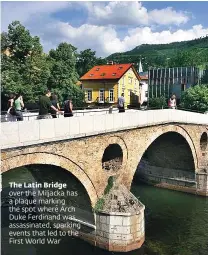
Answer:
x=172 y=102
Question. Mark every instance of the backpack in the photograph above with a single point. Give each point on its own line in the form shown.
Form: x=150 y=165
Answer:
x=120 y=102
x=66 y=106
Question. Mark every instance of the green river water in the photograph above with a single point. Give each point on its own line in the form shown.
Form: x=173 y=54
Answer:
x=176 y=224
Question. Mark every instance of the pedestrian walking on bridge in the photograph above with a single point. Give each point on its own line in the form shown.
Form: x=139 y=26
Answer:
x=45 y=106
x=121 y=103
x=18 y=106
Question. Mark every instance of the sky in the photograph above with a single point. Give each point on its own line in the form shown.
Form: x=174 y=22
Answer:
x=108 y=27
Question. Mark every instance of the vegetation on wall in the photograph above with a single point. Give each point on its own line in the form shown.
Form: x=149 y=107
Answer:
x=101 y=201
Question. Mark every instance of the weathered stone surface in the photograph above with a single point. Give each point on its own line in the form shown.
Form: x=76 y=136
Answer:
x=83 y=156
x=121 y=230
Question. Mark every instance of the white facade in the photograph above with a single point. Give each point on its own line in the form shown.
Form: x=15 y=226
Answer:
x=144 y=91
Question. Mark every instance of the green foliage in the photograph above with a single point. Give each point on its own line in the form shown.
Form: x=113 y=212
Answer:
x=29 y=70
x=195 y=98
x=64 y=75
x=25 y=69
x=205 y=76
x=188 y=53
x=109 y=185
x=86 y=60
x=99 y=205
x=101 y=202
x=158 y=102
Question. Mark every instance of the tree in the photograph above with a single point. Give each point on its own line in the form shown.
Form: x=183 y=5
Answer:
x=64 y=76
x=195 y=98
x=86 y=60
x=20 y=42
x=205 y=76
x=24 y=67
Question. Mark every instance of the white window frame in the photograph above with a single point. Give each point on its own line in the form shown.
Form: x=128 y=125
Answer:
x=102 y=101
x=109 y=94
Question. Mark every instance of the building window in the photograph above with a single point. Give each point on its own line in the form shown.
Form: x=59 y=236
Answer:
x=111 y=96
x=135 y=84
x=101 y=96
x=123 y=80
x=89 y=95
x=130 y=80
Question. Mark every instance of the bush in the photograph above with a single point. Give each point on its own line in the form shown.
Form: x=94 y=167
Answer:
x=158 y=102
x=195 y=98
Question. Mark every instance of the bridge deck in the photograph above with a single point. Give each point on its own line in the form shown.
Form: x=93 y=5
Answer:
x=24 y=133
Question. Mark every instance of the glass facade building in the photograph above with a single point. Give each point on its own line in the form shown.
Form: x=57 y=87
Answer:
x=168 y=81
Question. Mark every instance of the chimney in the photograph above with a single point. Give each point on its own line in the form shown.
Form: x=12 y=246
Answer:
x=110 y=63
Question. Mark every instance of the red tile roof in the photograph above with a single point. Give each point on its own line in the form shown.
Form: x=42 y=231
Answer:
x=113 y=72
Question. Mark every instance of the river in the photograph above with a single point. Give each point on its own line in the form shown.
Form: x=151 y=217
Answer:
x=176 y=224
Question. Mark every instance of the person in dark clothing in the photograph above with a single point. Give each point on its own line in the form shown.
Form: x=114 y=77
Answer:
x=54 y=101
x=11 y=109
x=121 y=102
x=68 y=106
x=45 y=106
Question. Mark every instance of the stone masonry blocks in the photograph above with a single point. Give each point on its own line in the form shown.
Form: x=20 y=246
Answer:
x=120 y=232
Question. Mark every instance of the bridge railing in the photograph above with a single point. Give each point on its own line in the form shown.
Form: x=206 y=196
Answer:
x=23 y=133
x=77 y=113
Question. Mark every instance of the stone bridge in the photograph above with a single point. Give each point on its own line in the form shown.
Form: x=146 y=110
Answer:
x=167 y=148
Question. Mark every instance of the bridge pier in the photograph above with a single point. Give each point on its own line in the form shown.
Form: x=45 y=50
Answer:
x=202 y=183
x=120 y=222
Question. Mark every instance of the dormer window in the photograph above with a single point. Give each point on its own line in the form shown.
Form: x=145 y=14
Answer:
x=102 y=74
x=113 y=74
x=120 y=67
x=91 y=74
x=97 y=69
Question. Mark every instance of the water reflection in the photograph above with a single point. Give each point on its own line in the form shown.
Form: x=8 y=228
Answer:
x=176 y=224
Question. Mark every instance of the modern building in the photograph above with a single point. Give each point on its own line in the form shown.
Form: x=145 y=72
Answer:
x=104 y=84
x=167 y=81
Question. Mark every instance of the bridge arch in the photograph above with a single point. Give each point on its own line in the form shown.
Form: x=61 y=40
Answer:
x=162 y=130
x=56 y=160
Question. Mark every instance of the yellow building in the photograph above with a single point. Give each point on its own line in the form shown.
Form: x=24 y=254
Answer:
x=104 y=84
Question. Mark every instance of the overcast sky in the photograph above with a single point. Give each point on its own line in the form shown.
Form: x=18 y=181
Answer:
x=108 y=27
